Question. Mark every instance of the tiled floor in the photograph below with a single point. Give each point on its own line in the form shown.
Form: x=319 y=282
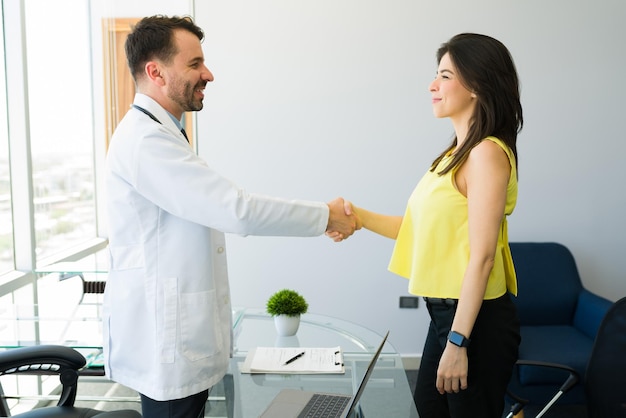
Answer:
x=216 y=406
x=102 y=388
x=556 y=411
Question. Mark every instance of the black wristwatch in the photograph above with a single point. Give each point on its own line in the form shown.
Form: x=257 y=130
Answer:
x=458 y=339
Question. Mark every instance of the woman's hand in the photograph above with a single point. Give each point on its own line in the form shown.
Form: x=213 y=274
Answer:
x=349 y=211
x=452 y=371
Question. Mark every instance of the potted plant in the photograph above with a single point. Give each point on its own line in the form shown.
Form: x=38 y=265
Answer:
x=286 y=306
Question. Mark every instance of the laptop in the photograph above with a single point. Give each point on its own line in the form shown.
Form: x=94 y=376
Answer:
x=293 y=403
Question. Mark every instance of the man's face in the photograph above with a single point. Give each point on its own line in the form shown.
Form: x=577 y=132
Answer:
x=186 y=76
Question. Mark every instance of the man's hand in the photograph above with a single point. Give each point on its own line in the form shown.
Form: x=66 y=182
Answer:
x=342 y=222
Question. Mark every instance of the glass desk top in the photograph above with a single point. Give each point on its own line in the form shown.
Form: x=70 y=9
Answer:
x=387 y=394
x=97 y=263
x=74 y=319
x=73 y=267
x=74 y=326
x=79 y=325
x=253 y=327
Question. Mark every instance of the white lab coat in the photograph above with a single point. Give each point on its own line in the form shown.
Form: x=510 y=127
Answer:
x=167 y=311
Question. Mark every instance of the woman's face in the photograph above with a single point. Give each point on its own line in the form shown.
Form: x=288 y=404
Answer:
x=450 y=98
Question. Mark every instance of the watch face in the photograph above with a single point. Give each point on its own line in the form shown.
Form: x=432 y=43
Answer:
x=457 y=339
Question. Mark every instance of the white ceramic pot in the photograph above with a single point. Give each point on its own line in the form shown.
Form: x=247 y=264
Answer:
x=286 y=325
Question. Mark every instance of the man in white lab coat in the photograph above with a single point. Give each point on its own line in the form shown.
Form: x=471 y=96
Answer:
x=167 y=315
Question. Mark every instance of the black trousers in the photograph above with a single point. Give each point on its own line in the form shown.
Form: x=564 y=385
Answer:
x=491 y=356
x=189 y=407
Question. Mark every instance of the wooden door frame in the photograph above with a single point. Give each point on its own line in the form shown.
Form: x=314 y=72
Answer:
x=119 y=87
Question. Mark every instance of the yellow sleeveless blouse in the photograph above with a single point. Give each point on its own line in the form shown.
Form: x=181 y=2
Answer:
x=432 y=247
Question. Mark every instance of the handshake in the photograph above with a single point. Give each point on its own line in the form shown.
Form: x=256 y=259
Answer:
x=343 y=220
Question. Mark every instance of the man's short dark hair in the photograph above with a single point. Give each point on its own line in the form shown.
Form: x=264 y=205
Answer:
x=153 y=38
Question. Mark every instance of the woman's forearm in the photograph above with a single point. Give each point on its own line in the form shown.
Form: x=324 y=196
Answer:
x=385 y=225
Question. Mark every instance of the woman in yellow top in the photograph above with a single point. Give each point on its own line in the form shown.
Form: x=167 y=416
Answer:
x=452 y=241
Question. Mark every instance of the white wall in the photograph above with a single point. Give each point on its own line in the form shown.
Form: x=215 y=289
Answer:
x=325 y=98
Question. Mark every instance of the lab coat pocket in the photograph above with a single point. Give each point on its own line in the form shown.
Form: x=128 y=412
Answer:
x=200 y=327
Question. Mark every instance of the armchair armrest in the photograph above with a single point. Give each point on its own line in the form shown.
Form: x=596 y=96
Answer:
x=569 y=383
x=590 y=310
x=46 y=360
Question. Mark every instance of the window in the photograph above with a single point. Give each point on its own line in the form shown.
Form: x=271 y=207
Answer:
x=56 y=117
x=61 y=123
x=6 y=218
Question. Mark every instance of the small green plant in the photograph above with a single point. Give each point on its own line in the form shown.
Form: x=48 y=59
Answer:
x=286 y=302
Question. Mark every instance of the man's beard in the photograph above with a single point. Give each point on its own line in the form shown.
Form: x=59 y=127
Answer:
x=184 y=96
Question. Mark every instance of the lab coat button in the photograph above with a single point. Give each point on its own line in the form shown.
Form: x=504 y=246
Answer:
x=220 y=250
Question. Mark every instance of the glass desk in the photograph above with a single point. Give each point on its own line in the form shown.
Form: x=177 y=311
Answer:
x=70 y=314
x=68 y=309
x=387 y=393
x=247 y=395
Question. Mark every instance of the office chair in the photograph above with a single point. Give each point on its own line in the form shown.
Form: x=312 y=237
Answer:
x=53 y=360
x=559 y=320
x=605 y=376
x=605 y=380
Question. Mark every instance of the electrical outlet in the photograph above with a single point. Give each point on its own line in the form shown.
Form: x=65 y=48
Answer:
x=409 y=302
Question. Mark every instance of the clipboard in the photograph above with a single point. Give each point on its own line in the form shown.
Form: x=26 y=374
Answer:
x=294 y=360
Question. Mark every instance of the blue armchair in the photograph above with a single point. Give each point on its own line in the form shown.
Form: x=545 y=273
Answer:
x=559 y=320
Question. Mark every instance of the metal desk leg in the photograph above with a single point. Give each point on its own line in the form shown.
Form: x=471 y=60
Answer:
x=229 y=394
x=4 y=407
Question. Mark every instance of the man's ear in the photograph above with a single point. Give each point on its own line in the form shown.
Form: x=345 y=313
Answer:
x=153 y=72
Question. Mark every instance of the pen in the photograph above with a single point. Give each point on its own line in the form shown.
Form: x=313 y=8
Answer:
x=294 y=358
